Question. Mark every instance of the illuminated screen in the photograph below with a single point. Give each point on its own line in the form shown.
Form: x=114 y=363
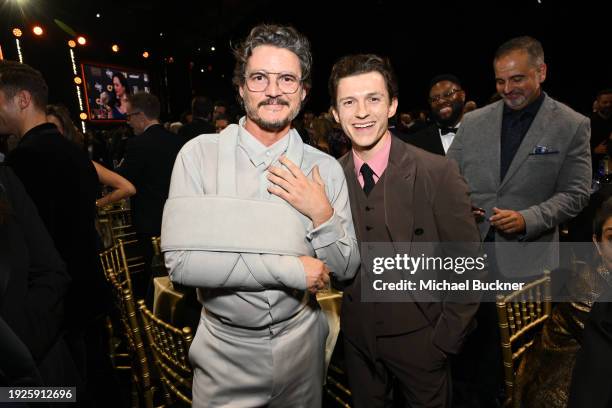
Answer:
x=107 y=89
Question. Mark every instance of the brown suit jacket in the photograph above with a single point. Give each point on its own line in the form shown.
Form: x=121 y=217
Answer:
x=426 y=200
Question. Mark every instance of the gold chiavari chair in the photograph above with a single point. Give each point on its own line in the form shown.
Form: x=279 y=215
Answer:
x=169 y=346
x=521 y=315
x=334 y=387
x=156 y=241
x=157 y=262
x=115 y=223
x=117 y=272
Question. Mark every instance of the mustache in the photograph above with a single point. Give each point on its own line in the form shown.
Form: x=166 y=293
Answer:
x=273 y=101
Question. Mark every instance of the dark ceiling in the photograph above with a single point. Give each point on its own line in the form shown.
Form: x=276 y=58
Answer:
x=422 y=40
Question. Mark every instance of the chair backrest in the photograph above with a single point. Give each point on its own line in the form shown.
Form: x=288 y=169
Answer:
x=116 y=223
x=521 y=315
x=116 y=267
x=170 y=347
x=117 y=272
x=156 y=241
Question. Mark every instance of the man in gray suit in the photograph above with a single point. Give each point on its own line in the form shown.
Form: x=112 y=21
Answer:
x=257 y=220
x=525 y=158
x=527 y=163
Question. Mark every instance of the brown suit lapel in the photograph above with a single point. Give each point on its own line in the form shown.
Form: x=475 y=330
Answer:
x=354 y=189
x=400 y=177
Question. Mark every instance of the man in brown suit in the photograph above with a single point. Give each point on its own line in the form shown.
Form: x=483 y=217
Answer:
x=398 y=193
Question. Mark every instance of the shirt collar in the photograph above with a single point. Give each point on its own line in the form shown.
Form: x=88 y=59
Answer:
x=42 y=127
x=448 y=134
x=378 y=163
x=257 y=152
x=151 y=125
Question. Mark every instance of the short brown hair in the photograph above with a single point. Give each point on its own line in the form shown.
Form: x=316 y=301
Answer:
x=146 y=103
x=352 y=65
x=15 y=77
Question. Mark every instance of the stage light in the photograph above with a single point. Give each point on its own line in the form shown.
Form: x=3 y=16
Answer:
x=81 y=40
x=83 y=116
x=145 y=54
x=17 y=32
x=115 y=48
x=37 y=30
x=202 y=70
x=71 y=43
x=78 y=80
x=212 y=48
x=98 y=15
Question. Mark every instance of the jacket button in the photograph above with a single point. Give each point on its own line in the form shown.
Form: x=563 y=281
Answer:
x=418 y=231
x=368 y=228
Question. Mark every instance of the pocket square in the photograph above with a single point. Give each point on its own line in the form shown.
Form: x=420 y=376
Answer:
x=544 y=150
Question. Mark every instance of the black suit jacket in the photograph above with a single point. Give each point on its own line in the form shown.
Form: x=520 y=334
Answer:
x=427 y=139
x=63 y=184
x=592 y=377
x=424 y=193
x=34 y=276
x=197 y=127
x=149 y=159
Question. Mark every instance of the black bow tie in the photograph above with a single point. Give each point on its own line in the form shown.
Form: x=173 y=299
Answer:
x=447 y=130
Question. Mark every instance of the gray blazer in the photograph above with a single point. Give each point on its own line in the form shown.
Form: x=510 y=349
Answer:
x=547 y=188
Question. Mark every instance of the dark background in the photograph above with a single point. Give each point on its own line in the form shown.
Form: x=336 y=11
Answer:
x=422 y=40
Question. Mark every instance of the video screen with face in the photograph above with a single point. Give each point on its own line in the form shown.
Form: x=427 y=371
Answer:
x=107 y=89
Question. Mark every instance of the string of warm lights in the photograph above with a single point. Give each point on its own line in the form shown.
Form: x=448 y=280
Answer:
x=19 y=54
x=77 y=79
x=74 y=68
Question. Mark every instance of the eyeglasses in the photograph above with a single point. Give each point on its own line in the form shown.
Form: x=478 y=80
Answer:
x=446 y=95
x=259 y=81
x=129 y=115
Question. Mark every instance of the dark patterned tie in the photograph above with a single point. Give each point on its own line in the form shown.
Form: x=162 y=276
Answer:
x=368 y=178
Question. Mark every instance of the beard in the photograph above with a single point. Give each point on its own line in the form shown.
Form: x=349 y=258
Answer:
x=606 y=113
x=457 y=111
x=267 y=125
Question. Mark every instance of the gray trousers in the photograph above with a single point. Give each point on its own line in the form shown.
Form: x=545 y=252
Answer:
x=279 y=366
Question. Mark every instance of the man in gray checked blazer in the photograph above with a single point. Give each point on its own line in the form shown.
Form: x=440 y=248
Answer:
x=526 y=161
x=527 y=164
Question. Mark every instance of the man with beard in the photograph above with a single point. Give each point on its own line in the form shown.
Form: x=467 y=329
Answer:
x=601 y=127
x=446 y=99
x=527 y=164
x=257 y=221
